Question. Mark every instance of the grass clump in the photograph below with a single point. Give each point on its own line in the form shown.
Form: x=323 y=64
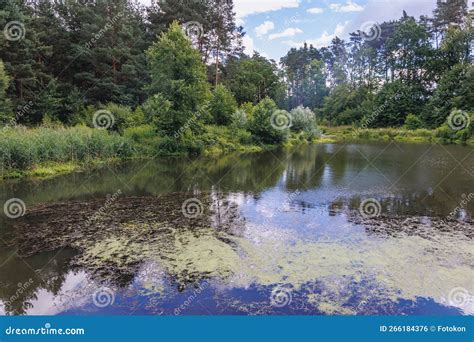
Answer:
x=39 y=148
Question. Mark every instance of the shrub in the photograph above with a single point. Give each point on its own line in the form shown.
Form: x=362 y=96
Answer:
x=222 y=105
x=268 y=123
x=247 y=107
x=239 y=119
x=303 y=119
x=413 y=122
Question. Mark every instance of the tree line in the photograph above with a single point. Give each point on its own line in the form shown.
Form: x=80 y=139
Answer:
x=176 y=61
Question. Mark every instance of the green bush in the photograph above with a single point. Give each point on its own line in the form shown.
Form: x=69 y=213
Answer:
x=239 y=119
x=303 y=119
x=222 y=105
x=413 y=122
x=269 y=124
x=458 y=127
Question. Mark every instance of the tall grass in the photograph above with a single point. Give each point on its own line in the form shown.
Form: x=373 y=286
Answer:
x=22 y=148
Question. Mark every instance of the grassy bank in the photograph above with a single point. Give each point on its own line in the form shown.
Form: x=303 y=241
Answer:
x=49 y=151
x=442 y=135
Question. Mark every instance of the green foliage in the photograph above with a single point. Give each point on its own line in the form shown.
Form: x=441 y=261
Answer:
x=222 y=105
x=178 y=80
x=413 y=122
x=457 y=128
x=454 y=90
x=239 y=119
x=124 y=117
x=264 y=125
x=306 y=74
x=22 y=148
x=252 y=78
x=303 y=119
x=394 y=102
x=346 y=105
x=5 y=105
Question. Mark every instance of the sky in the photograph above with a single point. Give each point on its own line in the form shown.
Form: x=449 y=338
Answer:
x=274 y=26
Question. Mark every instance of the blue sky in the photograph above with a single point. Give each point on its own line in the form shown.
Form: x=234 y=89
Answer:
x=274 y=26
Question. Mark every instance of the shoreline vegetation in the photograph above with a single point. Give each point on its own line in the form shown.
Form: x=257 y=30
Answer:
x=183 y=85
x=45 y=152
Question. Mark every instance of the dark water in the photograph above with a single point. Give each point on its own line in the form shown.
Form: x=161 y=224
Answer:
x=281 y=232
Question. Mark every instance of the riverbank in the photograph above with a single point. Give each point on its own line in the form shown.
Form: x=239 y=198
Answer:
x=45 y=152
x=441 y=135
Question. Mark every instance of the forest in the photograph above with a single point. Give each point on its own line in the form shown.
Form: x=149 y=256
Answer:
x=87 y=81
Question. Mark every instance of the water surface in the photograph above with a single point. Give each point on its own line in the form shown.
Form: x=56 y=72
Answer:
x=279 y=232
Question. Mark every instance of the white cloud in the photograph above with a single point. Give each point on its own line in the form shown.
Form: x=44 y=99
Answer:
x=385 y=10
x=289 y=32
x=323 y=40
x=264 y=28
x=244 y=8
x=248 y=44
x=315 y=10
x=349 y=6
